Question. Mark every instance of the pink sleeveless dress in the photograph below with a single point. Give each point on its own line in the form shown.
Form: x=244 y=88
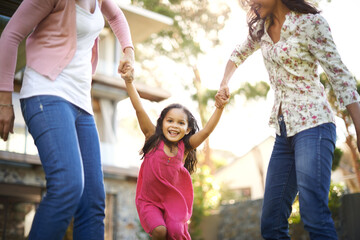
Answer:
x=164 y=193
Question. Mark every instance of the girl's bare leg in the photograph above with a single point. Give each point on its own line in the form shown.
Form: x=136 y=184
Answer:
x=159 y=233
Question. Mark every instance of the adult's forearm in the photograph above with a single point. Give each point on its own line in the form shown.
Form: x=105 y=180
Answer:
x=118 y=23
x=229 y=71
x=5 y=97
x=354 y=110
x=129 y=51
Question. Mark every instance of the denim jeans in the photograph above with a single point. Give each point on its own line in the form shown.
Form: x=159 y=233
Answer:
x=300 y=164
x=68 y=144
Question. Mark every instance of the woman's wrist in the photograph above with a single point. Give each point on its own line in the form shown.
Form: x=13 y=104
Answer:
x=5 y=98
x=224 y=83
x=129 y=51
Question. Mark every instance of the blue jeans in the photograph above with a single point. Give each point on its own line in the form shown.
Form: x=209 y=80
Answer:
x=68 y=144
x=300 y=164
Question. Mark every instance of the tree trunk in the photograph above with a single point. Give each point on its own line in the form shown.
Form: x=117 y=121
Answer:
x=202 y=113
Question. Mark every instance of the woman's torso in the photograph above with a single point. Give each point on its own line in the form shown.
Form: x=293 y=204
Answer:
x=74 y=82
x=293 y=74
x=292 y=65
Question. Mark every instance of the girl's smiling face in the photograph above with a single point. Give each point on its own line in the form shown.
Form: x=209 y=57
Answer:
x=175 y=125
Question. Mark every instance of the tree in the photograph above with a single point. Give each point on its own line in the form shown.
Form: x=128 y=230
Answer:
x=181 y=41
x=205 y=96
x=192 y=19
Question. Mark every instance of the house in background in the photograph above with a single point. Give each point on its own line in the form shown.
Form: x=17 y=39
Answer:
x=244 y=177
x=22 y=182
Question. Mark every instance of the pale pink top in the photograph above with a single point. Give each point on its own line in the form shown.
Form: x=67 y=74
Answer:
x=52 y=42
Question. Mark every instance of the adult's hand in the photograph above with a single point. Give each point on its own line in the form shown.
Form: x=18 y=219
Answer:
x=128 y=74
x=222 y=96
x=127 y=61
x=7 y=116
x=223 y=92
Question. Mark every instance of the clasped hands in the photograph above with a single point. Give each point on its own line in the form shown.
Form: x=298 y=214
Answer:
x=126 y=66
x=222 y=97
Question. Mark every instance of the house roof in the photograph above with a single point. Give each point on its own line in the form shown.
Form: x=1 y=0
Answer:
x=142 y=22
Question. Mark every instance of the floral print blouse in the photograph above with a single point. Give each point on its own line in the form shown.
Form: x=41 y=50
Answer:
x=292 y=63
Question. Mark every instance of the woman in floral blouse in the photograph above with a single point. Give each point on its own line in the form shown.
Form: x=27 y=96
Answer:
x=294 y=38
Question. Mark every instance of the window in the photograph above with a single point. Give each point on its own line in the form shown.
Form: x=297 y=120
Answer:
x=17 y=210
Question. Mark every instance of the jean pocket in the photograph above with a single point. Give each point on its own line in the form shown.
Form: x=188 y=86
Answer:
x=328 y=130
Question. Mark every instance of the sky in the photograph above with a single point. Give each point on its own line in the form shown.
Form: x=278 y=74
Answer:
x=244 y=124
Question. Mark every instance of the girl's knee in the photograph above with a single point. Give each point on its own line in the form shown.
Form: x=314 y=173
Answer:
x=159 y=233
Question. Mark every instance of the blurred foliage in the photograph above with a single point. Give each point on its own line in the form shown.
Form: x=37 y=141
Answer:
x=253 y=92
x=230 y=196
x=337 y=190
x=218 y=161
x=206 y=199
x=250 y=91
x=295 y=214
x=208 y=96
x=192 y=20
x=336 y=159
x=335 y=194
x=69 y=231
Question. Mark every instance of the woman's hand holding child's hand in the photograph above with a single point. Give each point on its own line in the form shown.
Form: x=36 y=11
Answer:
x=221 y=99
x=128 y=74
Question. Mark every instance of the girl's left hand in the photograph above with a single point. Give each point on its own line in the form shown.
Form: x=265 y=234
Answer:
x=128 y=75
x=127 y=62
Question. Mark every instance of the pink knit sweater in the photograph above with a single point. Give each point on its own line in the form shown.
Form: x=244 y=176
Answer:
x=52 y=42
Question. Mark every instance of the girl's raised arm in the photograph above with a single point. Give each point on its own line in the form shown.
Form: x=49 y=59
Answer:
x=146 y=126
x=196 y=139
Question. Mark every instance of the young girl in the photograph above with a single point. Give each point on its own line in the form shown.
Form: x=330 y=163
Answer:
x=164 y=194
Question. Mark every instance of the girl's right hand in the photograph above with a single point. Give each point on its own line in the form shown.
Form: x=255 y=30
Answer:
x=7 y=116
